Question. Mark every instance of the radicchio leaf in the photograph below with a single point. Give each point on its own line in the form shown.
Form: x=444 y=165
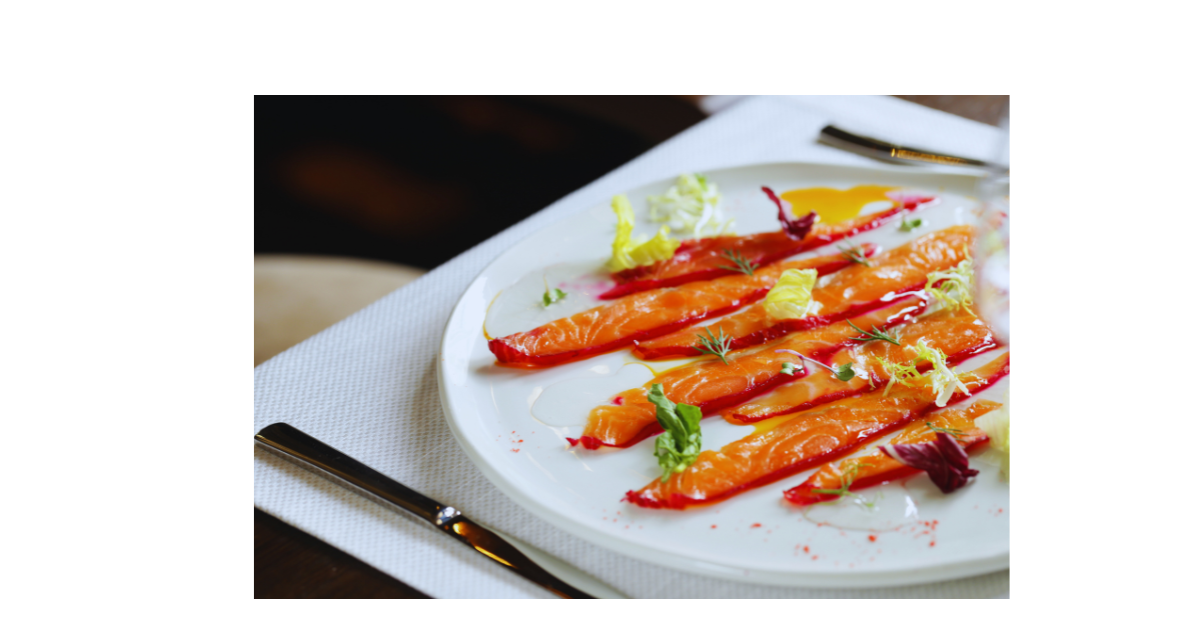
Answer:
x=796 y=228
x=943 y=458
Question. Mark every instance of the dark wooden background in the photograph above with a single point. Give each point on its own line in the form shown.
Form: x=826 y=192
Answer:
x=339 y=176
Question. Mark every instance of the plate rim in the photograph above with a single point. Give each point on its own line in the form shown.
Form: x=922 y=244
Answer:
x=641 y=551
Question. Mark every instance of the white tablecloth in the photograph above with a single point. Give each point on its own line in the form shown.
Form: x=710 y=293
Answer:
x=367 y=385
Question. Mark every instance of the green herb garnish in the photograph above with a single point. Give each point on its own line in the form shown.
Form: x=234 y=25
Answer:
x=874 y=334
x=789 y=369
x=848 y=478
x=552 y=296
x=953 y=432
x=855 y=254
x=679 y=446
x=743 y=265
x=717 y=345
x=908 y=225
x=843 y=372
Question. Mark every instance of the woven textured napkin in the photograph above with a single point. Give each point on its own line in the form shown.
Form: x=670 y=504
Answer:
x=368 y=387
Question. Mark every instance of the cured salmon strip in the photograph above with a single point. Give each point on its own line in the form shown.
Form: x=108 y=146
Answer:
x=960 y=335
x=852 y=291
x=645 y=315
x=703 y=258
x=800 y=442
x=712 y=385
x=875 y=468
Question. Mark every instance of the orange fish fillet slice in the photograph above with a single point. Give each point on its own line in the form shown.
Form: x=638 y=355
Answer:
x=852 y=291
x=803 y=441
x=712 y=385
x=960 y=335
x=644 y=315
x=875 y=468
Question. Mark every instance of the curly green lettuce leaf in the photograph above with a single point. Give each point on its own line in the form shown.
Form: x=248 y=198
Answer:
x=995 y=425
x=628 y=252
x=679 y=446
x=791 y=297
x=690 y=206
x=941 y=379
x=900 y=373
x=953 y=290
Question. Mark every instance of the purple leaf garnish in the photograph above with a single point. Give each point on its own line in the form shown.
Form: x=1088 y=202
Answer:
x=795 y=228
x=943 y=458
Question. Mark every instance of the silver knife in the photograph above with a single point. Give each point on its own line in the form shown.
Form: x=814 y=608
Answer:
x=293 y=444
x=879 y=149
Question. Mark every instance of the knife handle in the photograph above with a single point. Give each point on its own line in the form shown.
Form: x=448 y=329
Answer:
x=285 y=439
x=296 y=445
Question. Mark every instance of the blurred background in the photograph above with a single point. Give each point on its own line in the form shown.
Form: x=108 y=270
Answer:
x=356 y=196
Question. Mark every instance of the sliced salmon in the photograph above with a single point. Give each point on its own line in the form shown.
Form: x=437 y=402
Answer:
x=644 y=315
x=854 y=290
x=712 y=385
x=875 y=468
x=960 y=335
x=704 y=258
x=800 y=442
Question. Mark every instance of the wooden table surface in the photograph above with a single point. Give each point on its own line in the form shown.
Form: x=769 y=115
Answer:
x=289 y=563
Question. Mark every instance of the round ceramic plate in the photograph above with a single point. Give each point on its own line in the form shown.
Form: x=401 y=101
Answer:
x=513 y=423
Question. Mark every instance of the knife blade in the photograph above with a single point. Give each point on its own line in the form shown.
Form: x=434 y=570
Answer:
x=879 y=149
x=299 y=447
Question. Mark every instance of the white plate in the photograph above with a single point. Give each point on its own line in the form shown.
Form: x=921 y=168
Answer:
x=754 y=537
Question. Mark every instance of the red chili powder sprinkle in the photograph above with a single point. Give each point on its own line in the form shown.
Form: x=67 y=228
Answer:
x=871 y=538
x=516 y=450
x=805 y=548
x=714 y=526
x=932 y=543
x=519 y=441
x=755 y=525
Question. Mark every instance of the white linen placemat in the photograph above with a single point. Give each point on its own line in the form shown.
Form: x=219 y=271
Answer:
x=367 y=385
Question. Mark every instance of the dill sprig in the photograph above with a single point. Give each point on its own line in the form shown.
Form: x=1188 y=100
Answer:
x=957 y=433
x=855 y=254
x=743 y=265
x=716 y=345
x=874 y=334
x=847 y=477
x=908 y=225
